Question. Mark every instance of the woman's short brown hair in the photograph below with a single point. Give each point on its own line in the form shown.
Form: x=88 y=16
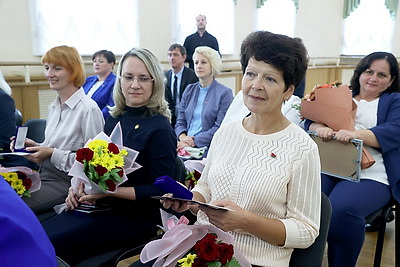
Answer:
x=69 y=58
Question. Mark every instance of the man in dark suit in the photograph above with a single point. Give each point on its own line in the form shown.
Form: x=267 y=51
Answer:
x=199 y=38
x=175 y=86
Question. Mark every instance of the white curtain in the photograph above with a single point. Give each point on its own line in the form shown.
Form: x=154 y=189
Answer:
x=368 y=28
x=220 y=21
x=277 y=16
x=88 y=25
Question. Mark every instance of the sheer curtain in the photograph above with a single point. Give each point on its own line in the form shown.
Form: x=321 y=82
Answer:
x=88 y=25
x=368 y=28
x=220 y=21
x=277 y=16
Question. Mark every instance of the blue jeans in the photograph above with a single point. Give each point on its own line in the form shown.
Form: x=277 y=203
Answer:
x=351 y=203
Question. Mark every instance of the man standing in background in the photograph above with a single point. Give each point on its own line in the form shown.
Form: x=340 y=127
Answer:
x=199 y=38
x=178 y=77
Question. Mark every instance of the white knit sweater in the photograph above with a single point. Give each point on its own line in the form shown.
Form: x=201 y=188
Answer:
x=276 y=176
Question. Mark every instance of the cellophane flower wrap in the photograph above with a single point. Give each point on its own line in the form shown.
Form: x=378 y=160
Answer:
x=102 y=165
x=330 y=104
x=191 y=245
x=22 y=179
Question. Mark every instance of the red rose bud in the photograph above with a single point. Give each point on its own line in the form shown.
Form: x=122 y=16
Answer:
x=211 y=236
x=110 y=184
x=197 y=174
x=21 y=175
x=225 y=252
x=121 y=173
x=113 y=148
x=84 y=154
x=206 y=249
x=100 y=170
x=27 y=183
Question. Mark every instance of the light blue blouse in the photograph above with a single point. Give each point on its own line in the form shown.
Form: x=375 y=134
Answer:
x=195 y=125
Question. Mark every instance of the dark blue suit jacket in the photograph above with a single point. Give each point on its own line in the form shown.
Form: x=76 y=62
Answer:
x=387 y=132
x=104 y=95
x=7 y=120
x=8 y=128
x=188 y=77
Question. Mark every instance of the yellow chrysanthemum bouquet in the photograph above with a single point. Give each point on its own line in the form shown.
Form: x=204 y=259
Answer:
x=102 y=165
x=23 y=180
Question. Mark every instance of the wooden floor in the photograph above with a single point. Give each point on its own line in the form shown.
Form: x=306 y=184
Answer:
x=366 y=258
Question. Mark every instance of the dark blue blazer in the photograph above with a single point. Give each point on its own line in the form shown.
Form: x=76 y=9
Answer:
x=7 y=120
x=104 y=95
x=8 y=128
x=387 y=132
x=188 y=77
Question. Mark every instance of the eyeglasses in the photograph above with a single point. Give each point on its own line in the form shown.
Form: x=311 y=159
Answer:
x=126 y=79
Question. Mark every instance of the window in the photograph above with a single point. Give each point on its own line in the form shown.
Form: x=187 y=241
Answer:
x=369 y=28
x=220 y=21
x=277 y=16
x=89 y=25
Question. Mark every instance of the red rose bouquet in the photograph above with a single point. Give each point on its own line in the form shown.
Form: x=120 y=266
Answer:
x=22 y=179
x=208 y=251
x=102 y=165
x=192 y=245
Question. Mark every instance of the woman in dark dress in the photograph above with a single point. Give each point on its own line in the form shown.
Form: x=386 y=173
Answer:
x=143 y=112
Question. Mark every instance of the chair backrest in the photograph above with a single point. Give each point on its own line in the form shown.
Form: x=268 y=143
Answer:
x=313 y=255
x=18 y=117
x=36 y=129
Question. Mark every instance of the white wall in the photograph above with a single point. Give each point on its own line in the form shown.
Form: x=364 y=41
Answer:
x=319 y=24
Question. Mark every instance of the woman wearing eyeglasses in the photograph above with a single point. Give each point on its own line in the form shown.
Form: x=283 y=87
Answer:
x=143 y=112
x=204 y=104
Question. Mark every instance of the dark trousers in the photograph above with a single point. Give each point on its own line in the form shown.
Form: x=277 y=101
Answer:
x=351 y=203
x=78 y=236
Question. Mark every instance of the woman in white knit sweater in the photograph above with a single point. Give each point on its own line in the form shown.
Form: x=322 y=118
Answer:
x=265 y=168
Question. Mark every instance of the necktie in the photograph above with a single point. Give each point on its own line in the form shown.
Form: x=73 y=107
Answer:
x=175 y=92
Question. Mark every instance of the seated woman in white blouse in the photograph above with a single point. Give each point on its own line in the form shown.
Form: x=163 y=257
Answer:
x=73 y=119
x=263 y=167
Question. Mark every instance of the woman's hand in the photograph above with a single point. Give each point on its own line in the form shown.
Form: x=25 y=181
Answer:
x=226 y=220
x=28 y=143
x=73 y=199
x=186 y=140
x=182 y=145
x=40 y=153
x=178 y=206
x=325 y=133
x=345 y=136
